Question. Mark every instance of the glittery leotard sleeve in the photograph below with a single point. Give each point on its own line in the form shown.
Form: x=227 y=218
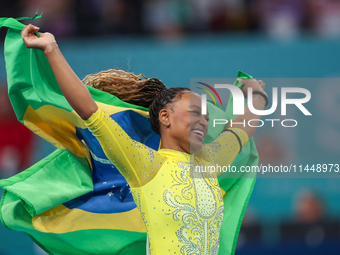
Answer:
x=224 y=149
x=137 y=162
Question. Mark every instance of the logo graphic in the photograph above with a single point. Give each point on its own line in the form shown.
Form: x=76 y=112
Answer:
x=211 y=95
x=239 y=107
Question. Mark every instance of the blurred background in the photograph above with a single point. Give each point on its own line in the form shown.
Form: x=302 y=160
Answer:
x=176 y=40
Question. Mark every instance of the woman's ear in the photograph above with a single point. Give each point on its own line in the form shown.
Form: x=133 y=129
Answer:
x=164 y=117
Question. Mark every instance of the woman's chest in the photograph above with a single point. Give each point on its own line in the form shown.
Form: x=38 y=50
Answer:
x=176 y=188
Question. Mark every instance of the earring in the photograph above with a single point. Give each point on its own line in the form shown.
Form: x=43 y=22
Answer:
x=166 y=124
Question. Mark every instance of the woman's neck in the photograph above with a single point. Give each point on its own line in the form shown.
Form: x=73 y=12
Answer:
x=172 y=146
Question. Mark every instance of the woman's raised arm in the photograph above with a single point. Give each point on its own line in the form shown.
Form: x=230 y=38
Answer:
x=259 y=103
x=71 y=86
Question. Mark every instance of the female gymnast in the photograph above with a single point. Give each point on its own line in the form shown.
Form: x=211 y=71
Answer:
x=182 y=209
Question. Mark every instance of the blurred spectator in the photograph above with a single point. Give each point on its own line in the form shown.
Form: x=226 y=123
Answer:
x=251 y=230
x=170 y=18
x=166 y=18
x=250 y=217
x=324 y=17
x=16 y=140
x=308 y=207
x=279 y=18
x=228 y=15
x=57 y=18
x=121 y=16
x=220 y=15
x=310 y=225
x=87 y=15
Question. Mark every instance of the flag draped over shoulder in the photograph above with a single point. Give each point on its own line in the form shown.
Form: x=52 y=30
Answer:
x=75 y=201
x=238 y=190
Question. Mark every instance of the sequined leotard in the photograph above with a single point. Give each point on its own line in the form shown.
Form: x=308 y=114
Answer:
x=182 y=214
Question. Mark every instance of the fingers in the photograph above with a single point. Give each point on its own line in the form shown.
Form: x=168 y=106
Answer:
x=29 y=29
x=243 y=81
x=262 y=83
x=24 y=32
x=240 y=80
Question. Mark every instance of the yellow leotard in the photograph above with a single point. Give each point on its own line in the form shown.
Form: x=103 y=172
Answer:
x=182 y=211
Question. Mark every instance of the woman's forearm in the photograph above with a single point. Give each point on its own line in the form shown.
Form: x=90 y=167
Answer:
x=241 y=121
x=258 y=101
x=71 y=86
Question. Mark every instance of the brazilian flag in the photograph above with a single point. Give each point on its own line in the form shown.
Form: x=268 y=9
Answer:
x=75 y=201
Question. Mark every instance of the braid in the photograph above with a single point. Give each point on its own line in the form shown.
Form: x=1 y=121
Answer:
x=128 y=87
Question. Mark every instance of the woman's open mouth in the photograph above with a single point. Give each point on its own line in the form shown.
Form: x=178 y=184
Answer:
x=199 y=133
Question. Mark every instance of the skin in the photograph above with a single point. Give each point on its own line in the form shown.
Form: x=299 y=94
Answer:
x=177 y=120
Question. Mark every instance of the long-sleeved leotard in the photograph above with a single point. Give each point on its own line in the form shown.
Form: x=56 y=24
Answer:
x=182 y=211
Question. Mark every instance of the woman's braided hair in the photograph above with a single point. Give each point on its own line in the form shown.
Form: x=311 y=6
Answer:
x=138 y=90
x=128 y=87
x=163 y=98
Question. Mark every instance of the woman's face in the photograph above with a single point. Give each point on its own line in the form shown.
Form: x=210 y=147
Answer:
x=187 y=126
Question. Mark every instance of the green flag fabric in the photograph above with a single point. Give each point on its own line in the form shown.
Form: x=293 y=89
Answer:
x=75 y=201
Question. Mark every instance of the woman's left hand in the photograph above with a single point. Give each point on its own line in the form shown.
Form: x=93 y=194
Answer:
x=31 y=40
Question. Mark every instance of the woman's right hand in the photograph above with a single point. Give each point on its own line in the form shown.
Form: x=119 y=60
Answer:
x=253 y=83
x=35 y=42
